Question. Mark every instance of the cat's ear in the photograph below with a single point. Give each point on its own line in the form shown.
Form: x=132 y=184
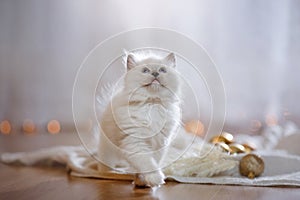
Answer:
x=170 y=60
x=130 y=61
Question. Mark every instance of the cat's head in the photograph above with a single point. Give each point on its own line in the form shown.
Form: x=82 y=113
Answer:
x=151 y=73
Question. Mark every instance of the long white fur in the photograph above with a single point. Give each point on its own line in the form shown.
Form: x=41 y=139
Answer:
x=141 y=120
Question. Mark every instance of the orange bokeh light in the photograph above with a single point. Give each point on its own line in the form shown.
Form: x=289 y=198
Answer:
x=256 y=125
x=28 y=126
x=271 y=120
x=53 y=127
x=5 y=127
x=195 y=126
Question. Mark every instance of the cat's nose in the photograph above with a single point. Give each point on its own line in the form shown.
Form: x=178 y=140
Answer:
x=155 y=74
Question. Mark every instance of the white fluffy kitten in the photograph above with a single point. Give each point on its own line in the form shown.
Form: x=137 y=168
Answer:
x=142 y=118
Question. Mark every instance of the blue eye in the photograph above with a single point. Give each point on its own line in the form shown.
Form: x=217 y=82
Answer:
x=145 y=70
x=163 y=70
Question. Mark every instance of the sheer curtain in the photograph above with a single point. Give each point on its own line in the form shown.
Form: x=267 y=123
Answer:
x=255 y=45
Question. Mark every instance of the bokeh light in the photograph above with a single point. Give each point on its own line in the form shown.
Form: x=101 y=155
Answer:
x=53 y=127
x=5 y=127
x=271 y=120
x=195 y=126
x=28 y=126
x=256 y=125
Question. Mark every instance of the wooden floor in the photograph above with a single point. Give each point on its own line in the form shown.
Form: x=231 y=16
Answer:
x=18 y=182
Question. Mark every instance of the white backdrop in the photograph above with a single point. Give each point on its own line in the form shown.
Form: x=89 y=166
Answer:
x=255 y=45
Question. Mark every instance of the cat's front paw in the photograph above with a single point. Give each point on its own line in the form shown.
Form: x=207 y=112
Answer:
x=152 y=179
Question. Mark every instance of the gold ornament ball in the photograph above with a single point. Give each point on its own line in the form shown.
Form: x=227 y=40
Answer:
x=251 y=166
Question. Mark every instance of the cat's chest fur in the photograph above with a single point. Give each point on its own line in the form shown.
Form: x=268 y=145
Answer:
x=151 y=114
x=145 y=118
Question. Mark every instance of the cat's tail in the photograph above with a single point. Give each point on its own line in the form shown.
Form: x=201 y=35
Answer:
x=104 y=95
